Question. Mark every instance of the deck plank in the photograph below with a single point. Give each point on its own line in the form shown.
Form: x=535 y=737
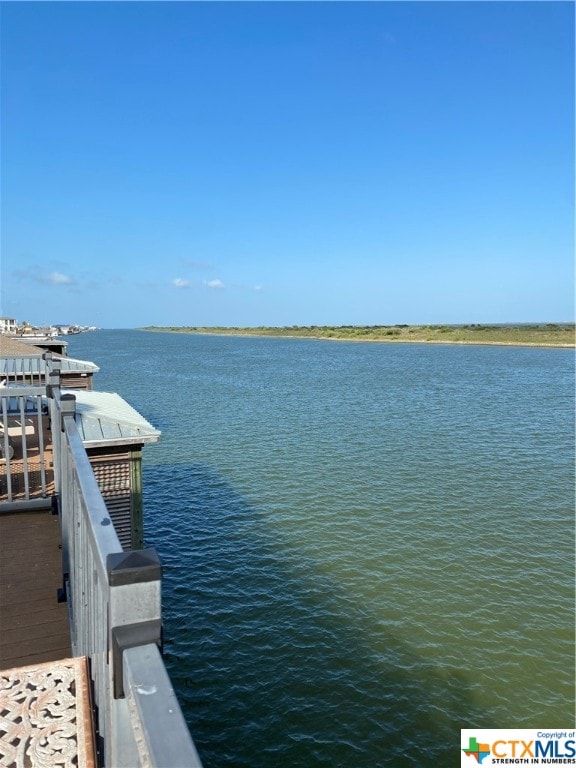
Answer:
x=17 y=653
x=33 y=625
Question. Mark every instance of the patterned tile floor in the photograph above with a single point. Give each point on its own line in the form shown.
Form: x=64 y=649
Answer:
x=45 y=716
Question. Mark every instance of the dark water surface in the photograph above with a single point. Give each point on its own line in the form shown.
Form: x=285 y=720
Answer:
x=367 y=546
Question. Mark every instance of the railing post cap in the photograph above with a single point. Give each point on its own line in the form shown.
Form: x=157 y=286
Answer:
x=134 y=567
x=67 y=407
x=54 y=364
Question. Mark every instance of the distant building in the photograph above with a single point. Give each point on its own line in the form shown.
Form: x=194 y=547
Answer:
x=8 y=325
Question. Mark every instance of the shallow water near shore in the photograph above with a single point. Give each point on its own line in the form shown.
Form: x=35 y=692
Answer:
x=366 y=547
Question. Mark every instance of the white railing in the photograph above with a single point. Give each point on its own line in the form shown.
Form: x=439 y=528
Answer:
x=115 y=618
x=114 y=597
x=23 y=464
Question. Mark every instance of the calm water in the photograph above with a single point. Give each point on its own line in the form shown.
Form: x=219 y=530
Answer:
x=366 y=546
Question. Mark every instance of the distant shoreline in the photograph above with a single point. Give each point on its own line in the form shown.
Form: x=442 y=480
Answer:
x=551 y=335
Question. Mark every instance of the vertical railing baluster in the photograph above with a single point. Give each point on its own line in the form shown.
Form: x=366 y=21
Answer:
x=41 y=448
x=67 y=407
x=24 y=450
x=80 y=572
x=53 y=393
x=75 y=533
x=7 y=456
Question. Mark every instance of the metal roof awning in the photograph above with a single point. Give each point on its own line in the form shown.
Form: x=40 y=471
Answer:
x=36 y=366
x=106 y=419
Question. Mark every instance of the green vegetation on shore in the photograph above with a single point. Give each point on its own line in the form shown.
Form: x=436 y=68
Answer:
x=542 y=335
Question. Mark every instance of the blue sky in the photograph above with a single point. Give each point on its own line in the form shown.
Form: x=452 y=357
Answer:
x=272 y=163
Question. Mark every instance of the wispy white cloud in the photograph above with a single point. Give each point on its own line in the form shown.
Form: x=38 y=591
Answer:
x=214 y=283
x=258 y=288
x=36 y=275
x=179 y=282
x=57 y=278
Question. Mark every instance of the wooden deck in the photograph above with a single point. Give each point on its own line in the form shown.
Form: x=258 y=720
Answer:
x=33 y=625
x=45 y=702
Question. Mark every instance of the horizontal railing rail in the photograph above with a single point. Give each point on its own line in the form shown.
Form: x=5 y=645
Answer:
x=151 y=699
